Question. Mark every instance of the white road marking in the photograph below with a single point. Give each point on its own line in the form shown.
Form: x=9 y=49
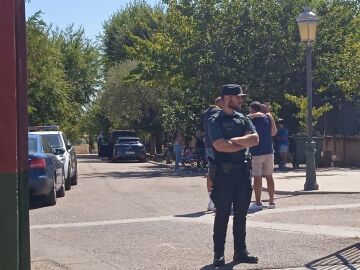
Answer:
x=337 y=231
x=308 y=208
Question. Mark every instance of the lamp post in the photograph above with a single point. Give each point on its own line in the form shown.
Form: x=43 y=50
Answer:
x=307 y=22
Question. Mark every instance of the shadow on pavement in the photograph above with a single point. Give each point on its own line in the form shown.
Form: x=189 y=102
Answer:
x=145 y=174
x=195 y=215
x=37 y=202
x=92 y=161
x=347 y=257
x=228 y=266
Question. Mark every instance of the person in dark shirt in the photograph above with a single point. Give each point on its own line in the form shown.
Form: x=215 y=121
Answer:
x=208 y=149
x=200 y=146
x=262 y=154
x=231 y=133
x=206 y=116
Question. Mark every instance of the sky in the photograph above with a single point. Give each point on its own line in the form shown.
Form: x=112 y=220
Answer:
x=87 y=13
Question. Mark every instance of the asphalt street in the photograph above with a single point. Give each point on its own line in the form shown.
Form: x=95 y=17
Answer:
x=143 y=216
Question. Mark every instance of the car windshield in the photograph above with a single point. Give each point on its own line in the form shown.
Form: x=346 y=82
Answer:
x=128 y=141
x=32 y=143
x=54 y=140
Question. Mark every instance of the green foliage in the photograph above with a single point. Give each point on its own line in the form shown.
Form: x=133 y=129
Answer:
x=82 y=64
x=349 y=79
x=64 y=72
x=47 y=86
x=137 y=19
x=95 y=121
x=301 y=103
x=130 y=105
x=187 y=50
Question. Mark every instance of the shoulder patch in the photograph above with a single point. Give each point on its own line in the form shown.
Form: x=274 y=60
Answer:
x=240 y=115
x=215 y=115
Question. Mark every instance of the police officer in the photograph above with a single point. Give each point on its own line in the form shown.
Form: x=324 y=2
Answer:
x=231 y=133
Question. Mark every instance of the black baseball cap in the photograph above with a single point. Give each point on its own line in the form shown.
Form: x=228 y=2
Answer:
x=232 y=90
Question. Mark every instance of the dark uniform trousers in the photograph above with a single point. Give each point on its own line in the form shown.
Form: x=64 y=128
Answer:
x=231 y=187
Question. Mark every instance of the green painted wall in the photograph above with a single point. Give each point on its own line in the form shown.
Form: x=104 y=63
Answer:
x=14 y=222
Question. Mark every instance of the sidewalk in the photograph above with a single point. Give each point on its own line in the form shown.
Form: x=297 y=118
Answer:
x=330 y=180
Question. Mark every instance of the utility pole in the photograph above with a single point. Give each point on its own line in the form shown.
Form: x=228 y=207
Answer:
x=14 y=192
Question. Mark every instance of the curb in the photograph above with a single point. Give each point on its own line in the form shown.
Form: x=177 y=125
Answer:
x=87 y=156
x=160 y=164
x=314 y=192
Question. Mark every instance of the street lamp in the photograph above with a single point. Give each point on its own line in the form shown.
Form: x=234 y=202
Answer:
x=307 y=22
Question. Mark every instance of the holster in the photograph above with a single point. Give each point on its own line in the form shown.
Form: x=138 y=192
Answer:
x=244 y=165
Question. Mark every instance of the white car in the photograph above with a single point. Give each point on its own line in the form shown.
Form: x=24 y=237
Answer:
x=65 y=151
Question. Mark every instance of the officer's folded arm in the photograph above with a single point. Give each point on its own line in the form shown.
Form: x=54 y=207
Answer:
x=247 y=140
x=227 y=146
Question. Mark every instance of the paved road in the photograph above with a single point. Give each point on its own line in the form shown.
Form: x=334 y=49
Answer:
x=142 y=216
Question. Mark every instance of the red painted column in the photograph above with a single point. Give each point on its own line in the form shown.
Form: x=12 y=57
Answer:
x=14 y=199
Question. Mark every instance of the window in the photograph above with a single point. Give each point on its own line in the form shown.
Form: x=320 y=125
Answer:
x=46 y=146
x=54 y=140
x=32 y=144
x=128 y=141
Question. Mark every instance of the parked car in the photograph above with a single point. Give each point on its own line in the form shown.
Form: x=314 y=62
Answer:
x=129 y=148
x=46 y=171
x=106 y=146
x=63 y=149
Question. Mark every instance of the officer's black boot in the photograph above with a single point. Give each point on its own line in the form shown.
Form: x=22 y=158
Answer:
x=244 y=257
x=219 y=260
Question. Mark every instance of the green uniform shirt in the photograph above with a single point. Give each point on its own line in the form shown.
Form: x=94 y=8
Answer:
x=223 y=126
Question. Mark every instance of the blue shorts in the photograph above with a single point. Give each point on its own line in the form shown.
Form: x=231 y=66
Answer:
x=283 y=148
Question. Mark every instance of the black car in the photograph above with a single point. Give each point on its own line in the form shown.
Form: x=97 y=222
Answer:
x=106 y=146
x=129 y=148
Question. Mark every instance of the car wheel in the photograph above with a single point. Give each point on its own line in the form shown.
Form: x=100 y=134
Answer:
x=68 y=180
x=74 y=179
x=61 y=191
x=51 y=197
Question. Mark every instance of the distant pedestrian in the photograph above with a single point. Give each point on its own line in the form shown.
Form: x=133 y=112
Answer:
x=100 y=141
x=231 y=133
x=208 y=150
x=178 y=148
x=282 y=139
x=200 y=147
x=263 y=153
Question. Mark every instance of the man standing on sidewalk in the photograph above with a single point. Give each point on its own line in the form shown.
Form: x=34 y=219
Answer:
x=262 y=154
x=209 y=152
x=231 y=133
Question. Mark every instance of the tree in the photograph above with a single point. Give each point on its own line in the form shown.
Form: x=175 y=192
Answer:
x=197 y=46
x=137 y=18
x=301 y=103
x=64 y=72
x=47 y=86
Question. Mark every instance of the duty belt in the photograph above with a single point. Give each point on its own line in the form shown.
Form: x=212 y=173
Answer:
x=228 y=167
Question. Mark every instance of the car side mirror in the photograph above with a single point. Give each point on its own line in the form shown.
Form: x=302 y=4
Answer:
x=58 y=151
x=68 y=147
